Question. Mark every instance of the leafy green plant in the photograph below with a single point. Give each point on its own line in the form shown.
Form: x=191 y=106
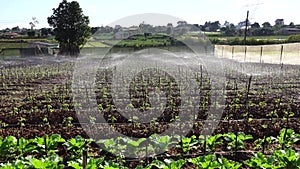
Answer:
x=278 y=159
x=288 y=158
x=46 y=145
x=8 y=147
x=160 y=143
x=95 y=163
x=75 y=146
x=205 y=162
x=259 y=161
x=53 y=141
x=134 y=147
x=68 y=121
x=22 y=121
x=236 y=141
x=50 y=162
x=91 y=163
x=112 y=165
x=112 y=145
x=227 y=164
x=188 y=143
x=26 y=146
x=287 y=137
x=264 y=142
x=174 y=164
x=166 y=164
x=53 y=161
x=211 y=141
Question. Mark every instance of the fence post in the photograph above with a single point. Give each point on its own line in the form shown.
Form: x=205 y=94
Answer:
x=245 y=53
x=232 y=51
x=281 y=54
x=84 y=159
x=45 y=144
x=298 y=50
x=261 y=54
x=222 y=51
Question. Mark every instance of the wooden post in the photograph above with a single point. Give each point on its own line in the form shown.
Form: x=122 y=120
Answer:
x=232 y=51
x=222 y=51
x=84 y=159
x=261 y=54
x=281 y=54
x=298 y=50
x=246 y=29
x=245 y=36
x=245 y=53
x=45 y=144
x=249 y=85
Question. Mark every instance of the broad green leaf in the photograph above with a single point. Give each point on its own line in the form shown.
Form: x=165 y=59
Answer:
x=136 y=143
x=38 y=163
x=74 y=165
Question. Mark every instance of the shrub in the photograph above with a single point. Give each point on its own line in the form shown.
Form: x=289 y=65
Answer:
x=294 y=38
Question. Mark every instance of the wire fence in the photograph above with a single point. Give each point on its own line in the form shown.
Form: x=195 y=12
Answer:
x=273 y=54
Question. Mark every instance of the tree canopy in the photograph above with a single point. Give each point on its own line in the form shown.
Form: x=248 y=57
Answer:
x=255 y=25
x=71 y=27
x=266 y=25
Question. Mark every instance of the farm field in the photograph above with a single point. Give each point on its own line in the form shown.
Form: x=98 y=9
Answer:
x=22 y=42
x=39 y=127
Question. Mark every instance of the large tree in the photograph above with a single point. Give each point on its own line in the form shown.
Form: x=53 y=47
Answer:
x=255 y=25
x=71 y=27
x=266 y=25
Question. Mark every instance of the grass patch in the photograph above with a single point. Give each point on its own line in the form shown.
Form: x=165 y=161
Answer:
x=97 y=44
x=12 y=45
x=9 y=53
x=103 y=36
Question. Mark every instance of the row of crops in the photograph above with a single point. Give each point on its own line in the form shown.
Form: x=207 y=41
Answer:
x=56 y=152
x=39 y=127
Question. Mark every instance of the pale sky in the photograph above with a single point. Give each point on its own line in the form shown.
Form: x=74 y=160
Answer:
x=103 y=12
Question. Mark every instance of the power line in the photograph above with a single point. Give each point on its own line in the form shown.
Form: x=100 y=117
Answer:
x=255 y=9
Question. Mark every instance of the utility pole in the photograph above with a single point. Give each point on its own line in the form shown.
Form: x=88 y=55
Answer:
x=245 y=37
x=247 y=21
x=246 y=29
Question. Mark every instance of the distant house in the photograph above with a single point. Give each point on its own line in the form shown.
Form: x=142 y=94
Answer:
x=125 y=33
x=181 y=23
x=289 y=31
x=279 y=22
x=10 y=35
x=122 y=35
